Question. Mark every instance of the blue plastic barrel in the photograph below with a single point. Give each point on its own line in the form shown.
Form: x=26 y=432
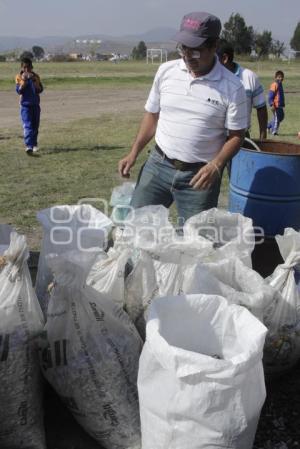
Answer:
x=265 y=185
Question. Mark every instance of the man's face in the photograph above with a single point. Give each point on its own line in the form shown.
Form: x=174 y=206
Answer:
x=199 y=59
x=279 y=78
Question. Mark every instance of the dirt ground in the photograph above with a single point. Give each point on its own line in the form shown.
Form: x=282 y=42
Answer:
x=60 y=106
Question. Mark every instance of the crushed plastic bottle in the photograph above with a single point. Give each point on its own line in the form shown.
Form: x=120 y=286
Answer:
x=120 y=200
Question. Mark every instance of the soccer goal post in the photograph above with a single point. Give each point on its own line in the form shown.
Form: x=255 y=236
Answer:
x=293 y=54
x=156 y=55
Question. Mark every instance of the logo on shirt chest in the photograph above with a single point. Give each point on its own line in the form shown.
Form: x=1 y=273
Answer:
x=212 y=101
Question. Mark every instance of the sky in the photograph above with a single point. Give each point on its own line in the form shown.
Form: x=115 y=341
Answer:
x=36 y=18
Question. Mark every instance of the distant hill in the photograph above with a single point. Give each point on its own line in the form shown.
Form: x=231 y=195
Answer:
x=25 y=43
x=161 y=34
x=161 y=37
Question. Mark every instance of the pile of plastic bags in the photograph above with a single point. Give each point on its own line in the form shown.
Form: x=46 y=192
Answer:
x=187 y=299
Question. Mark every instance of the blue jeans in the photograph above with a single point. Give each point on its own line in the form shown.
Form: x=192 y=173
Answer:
x=160 y=183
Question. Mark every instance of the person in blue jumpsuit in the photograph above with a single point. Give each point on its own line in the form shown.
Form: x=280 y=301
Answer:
x=276 y=102
x=29 y=87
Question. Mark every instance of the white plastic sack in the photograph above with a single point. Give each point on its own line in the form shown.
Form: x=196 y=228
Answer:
x=153 y=277
x=239 y=284
x=146 y=228
x=201 y=382
x=107 y=275
x=149 y=228
x=150 y=233
x=90 y=355
x=120 y=200
x=232 y=234
x=66 y=228
x=21 y=413
x=282 y=349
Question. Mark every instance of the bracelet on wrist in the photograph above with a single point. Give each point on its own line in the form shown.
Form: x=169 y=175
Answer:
x=217 y=169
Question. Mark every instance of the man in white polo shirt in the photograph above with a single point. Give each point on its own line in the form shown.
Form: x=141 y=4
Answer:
x=254 y=90
x=193 y=102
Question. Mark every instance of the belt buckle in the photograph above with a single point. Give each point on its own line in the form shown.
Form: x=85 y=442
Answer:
x=178 y=164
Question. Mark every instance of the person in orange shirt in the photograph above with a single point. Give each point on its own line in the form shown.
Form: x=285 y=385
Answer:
x=276 y=102
x=29 y=87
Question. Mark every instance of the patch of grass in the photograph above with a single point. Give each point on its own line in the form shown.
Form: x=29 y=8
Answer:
x=77 y=160
x=87 y=81
x=80 y=68
x=72 y=82
x=72 y=74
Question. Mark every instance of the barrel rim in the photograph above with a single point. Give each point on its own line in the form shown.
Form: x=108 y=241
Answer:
x=273 y=153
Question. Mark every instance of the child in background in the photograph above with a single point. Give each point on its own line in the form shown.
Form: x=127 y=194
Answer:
x=276 y=102
x=29 y=87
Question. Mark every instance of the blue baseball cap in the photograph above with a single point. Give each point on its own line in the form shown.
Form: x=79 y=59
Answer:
x=196 y=27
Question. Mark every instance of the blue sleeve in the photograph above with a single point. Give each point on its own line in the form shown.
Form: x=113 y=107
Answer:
x=271 y=97
x=281 y=91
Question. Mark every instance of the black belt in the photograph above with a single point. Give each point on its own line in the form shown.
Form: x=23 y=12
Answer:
x=180 y=165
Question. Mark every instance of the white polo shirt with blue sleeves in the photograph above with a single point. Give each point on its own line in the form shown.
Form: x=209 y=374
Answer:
x=254 y=90
x=195 y=113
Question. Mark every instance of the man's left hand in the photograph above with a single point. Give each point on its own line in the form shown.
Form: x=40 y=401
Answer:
x=206 y=176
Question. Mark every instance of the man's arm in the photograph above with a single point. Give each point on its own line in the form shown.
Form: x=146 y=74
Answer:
x=145 y=134
x=262 y=117
x=213 y=169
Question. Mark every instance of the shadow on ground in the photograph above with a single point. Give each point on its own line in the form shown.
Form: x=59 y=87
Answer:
x=56 y=150
x=286 y=134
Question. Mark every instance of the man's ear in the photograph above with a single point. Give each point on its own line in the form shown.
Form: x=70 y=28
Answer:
x=225 y=59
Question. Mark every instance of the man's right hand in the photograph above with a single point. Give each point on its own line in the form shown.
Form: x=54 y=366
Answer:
x=145 y=134
x=125 y=165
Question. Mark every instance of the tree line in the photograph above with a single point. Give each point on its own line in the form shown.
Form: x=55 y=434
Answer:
x=244 y=40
